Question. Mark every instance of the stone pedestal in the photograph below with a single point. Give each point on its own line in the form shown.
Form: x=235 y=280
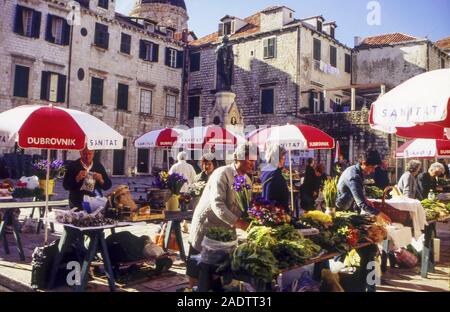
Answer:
x=225 y=112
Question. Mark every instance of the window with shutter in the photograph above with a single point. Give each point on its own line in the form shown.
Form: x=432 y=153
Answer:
x=194 y=107
x=333 y=56
x=146 y=101
x=36 y=24
x=122 y=96
x=97 y=91
x=269 y=47
x=28 y=22
x=21 y=80
x=317 y=49
x=155 y=52
x=319 y=25
x=125 y=43
x=348 y=63
x=53 y=87
x=194 y=62
x=148 y=51
x=101 y=37
x=220 y=29
x=267 y=101
x=227 y=29
x=332 y=32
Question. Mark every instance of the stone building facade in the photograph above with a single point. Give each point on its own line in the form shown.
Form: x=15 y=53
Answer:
x=279 y=71
x=125 y=71
x=394 y=58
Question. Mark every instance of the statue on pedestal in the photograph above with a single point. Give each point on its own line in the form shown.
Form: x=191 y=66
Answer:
x=225 y=63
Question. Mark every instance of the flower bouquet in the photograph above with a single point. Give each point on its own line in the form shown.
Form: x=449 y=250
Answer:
x=267 y=213
x=243 y=194
x=173 y=182
x=57 y=169
x=196 y=189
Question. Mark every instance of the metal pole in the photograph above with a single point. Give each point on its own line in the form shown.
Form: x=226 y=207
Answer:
x=292 y=185
x=46 y=198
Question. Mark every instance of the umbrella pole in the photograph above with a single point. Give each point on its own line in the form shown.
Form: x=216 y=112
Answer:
x=292 y=186
x=46 y=198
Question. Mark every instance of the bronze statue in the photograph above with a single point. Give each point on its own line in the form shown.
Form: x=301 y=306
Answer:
x=225 y=63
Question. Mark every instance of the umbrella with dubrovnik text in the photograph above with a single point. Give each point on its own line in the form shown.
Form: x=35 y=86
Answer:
x=55 y=128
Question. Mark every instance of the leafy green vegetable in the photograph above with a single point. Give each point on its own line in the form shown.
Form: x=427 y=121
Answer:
x=374 y=192
x=221 y=234
x=255 y=261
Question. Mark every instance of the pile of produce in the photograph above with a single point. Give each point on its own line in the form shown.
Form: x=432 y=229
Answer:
x=373 y=192
x=286 y=243
x=252 y=260
x=435 y=210
x=221 y=234
x=83 y=219
x=267 y=213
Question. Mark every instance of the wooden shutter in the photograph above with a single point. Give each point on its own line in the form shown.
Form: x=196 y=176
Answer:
x=180 y=55
x=125 y=43
x=61 y=96
x=21 y=80
x=48 y=30
x=122 y=96
x=220 y=29
x=18 y=23
x=266 y=48
x=97 y=91
x=322 y=102
x=348 y=63
x=333 y=56
x=167 y=61
x=66 y=32
x=311 y=102
x=142 y=48
x=36 y=28
x=45 y=86
x=317 y=49
x=155 y=52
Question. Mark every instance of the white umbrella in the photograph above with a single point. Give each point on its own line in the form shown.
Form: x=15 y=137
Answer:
x=423 y=99
x=56 y=128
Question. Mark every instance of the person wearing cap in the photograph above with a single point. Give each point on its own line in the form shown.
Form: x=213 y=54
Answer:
x=351 y=186
x=218 y=205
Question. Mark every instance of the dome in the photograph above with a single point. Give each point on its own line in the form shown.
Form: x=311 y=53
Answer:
x=177 y=3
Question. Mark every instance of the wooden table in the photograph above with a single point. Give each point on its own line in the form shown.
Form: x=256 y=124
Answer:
x=9 y=219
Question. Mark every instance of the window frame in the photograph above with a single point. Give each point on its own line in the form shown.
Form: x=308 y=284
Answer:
x=319 y=42
x=141 y=91
x=267 y=47
x=197 y=68
x=15 y=82
x=168 y=95
x=198 y=109
x=125 y=44
x=119 y=105
x=333 y=60
x=104 y=4
x=95 y=78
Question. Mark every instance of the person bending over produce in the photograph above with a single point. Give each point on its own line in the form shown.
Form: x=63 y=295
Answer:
x=351 y=186
x=218 y=206
x=408 y=182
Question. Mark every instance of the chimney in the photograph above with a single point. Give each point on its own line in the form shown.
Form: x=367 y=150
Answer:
x=358 y=40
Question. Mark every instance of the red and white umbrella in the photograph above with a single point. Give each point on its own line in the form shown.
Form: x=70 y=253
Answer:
x=166 y=137
x=424 y=148
x=421 y=100
x=293 y=137
x=56 y=128
x=211 y=136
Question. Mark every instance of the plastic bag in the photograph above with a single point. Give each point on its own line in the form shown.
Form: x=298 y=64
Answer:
x=214 y=252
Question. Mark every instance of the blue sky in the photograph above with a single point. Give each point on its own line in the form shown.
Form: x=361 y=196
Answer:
x=419 y=18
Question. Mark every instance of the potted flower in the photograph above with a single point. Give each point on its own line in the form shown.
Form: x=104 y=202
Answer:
x=330 y=195
x=243 y=194
x=56 y=171
x=173 y=182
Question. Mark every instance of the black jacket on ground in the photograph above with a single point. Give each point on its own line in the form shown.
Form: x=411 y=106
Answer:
x=71 y=185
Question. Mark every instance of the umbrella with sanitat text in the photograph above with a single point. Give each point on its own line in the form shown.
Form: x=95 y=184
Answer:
x=55 y=128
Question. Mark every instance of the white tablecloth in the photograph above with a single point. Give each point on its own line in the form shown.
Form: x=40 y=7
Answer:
x=415 y=209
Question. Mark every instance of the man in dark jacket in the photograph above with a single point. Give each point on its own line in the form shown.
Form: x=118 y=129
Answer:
x=274 y=186
x=351 y=186
x=427 y=181
x=308 y=190
x=381 y=176
x=85 y=176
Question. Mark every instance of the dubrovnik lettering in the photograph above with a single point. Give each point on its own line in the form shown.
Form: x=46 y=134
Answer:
x=51 y=141
x=2 y=139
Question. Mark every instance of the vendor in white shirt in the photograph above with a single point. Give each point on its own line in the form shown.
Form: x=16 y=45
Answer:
x=185 y=169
